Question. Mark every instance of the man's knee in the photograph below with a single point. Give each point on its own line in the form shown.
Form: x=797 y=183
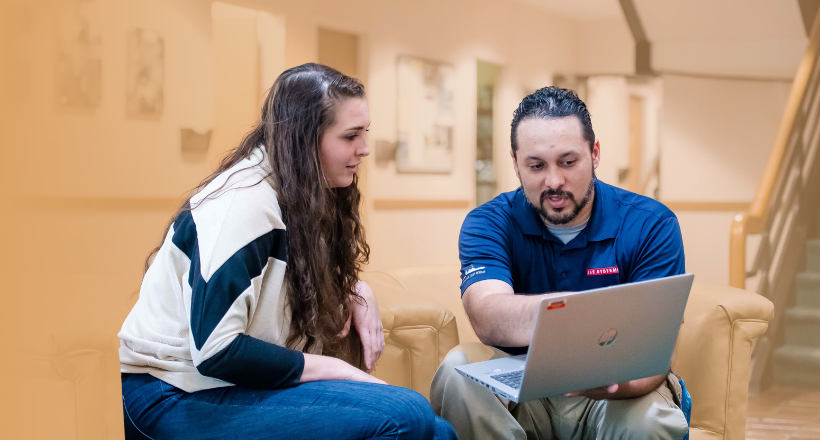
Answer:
x=462 y=354
x=643 y=419
x=450 y=362
x=447 y=377
x=670 y=426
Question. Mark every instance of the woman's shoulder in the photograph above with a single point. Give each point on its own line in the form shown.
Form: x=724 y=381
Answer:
x=249 y=172
x=240 y=209
x=239 y=202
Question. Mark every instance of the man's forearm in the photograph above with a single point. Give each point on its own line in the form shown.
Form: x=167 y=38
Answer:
x=504 y=319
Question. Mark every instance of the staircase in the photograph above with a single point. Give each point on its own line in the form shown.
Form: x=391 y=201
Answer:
x=781 y=216
x=797 y=362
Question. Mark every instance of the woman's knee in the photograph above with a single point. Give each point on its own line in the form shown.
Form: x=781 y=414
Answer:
x=411 y=414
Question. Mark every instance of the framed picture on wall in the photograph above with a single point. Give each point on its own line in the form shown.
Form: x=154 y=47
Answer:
x=145 y=74
x=426 y=116
x=79 y=56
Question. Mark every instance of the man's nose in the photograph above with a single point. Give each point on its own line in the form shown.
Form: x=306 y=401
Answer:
x=554 y=180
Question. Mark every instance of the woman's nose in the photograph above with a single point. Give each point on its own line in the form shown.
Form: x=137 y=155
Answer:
x=364 y=149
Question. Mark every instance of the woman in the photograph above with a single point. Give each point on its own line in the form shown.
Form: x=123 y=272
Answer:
x=244 y=312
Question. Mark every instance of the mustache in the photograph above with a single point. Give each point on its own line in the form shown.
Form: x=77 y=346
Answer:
x=552 y=192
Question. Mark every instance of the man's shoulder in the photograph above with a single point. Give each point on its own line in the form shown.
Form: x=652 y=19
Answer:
x=499 y=210
x=633 y=206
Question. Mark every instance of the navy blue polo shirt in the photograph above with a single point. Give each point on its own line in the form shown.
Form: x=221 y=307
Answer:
x=628 y=238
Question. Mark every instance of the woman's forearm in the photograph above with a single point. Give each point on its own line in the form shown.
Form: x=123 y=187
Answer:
x=318 y=367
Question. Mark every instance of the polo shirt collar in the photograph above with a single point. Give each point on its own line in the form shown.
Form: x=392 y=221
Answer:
x=526 y=216
x=605 y=219
x=603 y=222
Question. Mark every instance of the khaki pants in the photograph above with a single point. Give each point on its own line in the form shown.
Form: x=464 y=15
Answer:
x=477 y=413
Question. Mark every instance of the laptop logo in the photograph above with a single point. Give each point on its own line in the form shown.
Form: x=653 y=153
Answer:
x=608 y=337
x=556 y=305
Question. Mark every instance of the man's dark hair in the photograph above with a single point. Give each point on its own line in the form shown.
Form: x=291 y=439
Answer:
x=548 y=103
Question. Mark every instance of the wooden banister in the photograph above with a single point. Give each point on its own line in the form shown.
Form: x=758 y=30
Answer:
x=755 y=219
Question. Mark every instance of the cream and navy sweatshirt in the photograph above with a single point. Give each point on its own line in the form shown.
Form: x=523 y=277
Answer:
x=212 y=310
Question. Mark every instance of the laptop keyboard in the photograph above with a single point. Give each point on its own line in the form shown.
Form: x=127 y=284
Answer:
x=512 y=379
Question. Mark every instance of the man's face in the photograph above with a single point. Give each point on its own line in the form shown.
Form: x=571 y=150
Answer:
x=556 y=168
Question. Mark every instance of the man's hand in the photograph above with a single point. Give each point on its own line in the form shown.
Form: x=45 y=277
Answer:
x=626 y=390
x=600 y=393
x=368 y=323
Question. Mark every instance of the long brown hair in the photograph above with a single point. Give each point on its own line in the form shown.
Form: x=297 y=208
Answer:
x=326 y=240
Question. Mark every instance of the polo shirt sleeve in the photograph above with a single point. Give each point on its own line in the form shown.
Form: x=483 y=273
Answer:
x=484 y=249
x=661 y=252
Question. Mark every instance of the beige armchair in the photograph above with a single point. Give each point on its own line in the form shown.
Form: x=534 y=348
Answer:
x=712 y=354
x=418 y=333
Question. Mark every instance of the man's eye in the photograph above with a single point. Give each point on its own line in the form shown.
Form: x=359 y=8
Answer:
x=536 y=167
x=569 y=163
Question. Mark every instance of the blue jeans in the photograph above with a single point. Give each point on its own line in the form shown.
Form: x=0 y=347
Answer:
x=334 y=410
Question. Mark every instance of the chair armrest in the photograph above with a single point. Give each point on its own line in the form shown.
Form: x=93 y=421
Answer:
x=713 y=355
x=70 y=379
x=418 y=334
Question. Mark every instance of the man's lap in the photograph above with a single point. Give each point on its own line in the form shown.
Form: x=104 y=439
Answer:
x=576 y=417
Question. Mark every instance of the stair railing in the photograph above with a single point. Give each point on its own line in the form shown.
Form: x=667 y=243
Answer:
x=781 y=210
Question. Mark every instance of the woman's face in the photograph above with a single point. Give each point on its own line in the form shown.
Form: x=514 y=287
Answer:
x=344 y=144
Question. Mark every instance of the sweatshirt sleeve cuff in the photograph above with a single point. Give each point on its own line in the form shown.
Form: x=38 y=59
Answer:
x=253 y=363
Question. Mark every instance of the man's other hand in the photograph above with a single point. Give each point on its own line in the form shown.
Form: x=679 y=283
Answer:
x=600 y=393
x=625 y=390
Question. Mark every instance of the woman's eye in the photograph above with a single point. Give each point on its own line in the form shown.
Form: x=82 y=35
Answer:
x=351 y=137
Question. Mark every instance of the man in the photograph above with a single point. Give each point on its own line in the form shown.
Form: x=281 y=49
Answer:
x=551 y=235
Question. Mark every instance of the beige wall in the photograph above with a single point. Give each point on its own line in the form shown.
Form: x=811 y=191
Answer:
x=102 y=152
x=64 y=157
x=716 y=137
x=608 y=103
x=714 y=134
x=458 y=33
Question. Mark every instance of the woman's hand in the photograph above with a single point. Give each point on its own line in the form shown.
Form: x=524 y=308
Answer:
x=368 y=323
x=318 y=367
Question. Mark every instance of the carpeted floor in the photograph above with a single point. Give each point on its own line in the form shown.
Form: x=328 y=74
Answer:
x=782 y=413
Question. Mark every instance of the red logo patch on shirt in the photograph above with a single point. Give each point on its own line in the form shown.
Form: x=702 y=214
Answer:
x=602 y=271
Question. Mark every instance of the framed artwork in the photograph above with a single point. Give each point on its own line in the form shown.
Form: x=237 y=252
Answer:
x=145 y=74
x=426 y=116
x=79 y=56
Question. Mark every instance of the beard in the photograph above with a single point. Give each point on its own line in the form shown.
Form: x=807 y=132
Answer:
x=564 y=215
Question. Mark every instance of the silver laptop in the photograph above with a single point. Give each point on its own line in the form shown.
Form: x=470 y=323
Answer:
x=592 y=338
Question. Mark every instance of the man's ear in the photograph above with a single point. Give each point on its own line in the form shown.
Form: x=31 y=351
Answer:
x=596 y=154
x=515 y=163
